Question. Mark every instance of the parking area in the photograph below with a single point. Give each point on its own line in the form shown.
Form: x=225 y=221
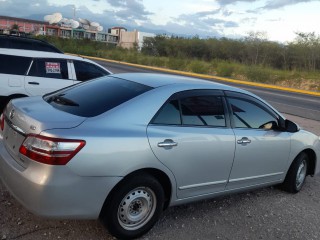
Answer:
x=267 y=213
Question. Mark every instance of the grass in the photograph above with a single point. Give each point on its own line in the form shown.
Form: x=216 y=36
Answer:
x=296 y=79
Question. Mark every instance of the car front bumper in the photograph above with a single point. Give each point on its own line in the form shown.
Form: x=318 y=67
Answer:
x=54 y=191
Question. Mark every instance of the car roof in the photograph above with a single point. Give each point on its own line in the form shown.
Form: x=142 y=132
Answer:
x=12 y=42
x=39 y=54
x=157 y=80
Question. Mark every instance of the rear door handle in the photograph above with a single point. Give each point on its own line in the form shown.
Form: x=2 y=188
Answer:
x=34 y=83
x=244 y=140
x=167 y=143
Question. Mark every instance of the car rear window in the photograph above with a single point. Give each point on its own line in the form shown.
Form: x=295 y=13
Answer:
x=95 y=97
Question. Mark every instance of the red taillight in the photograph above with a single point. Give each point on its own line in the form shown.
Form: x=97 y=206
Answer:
x=53 y=151
x=2 y=121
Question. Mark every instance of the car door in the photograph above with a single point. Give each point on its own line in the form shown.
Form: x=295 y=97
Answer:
x=12 y=75
x=47 y=75
x=191 y=136
x=262 y=150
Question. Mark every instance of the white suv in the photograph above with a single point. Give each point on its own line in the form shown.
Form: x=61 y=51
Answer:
x=30 y=73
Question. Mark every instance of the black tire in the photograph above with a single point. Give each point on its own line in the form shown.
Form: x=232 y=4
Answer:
x=297 y=174
x=133 y=207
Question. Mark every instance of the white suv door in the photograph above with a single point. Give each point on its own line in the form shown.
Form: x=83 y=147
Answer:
x=47 y=75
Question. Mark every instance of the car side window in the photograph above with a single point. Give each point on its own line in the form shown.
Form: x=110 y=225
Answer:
x=169 y=114
x=203 y=111
x=193 y=111
x=14 y=64
x=247 y=114
x=49 y=68
x=86 y=71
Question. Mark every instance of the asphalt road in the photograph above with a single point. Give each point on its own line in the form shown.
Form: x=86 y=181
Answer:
x=286 y=102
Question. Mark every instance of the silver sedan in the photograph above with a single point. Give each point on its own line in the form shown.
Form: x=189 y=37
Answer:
x=124 y=147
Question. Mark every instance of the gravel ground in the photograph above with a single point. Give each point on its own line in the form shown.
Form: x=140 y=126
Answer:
x=262 y=214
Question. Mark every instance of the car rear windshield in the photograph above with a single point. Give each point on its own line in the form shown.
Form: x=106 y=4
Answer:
x=95 y=97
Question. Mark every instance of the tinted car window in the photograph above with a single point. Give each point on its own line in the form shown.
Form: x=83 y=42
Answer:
x=49 y=68
x=14 y=64
x=86 y=71
x=169 y=114
x=248 y=114
x=197 y=110
x=203 y=110
x=95 y=97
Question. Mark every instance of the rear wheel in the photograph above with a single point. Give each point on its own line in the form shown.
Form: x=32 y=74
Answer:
x=297 y=174
x=134 y=207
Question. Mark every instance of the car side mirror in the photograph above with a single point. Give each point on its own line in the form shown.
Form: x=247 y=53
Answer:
x=291 y=126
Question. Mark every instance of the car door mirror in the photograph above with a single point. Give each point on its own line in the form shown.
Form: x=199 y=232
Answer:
x=291 y=126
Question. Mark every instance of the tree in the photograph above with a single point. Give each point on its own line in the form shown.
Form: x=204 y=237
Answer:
x=254 y=41
x=15 y=27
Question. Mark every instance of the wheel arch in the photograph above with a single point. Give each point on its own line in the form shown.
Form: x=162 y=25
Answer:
x=312 y=160
x=162 y=177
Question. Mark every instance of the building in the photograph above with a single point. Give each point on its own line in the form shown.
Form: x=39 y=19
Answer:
x=25 y=26
x=34 y=27
x=133 y=39
x=115 y=35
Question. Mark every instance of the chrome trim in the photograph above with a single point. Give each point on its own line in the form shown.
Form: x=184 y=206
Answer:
x=14 y=127
x=12 y=114
x=202 y=184
x=255 y=177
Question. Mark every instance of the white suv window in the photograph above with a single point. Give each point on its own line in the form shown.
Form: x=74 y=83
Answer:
x=49 y=68
x=14 y=64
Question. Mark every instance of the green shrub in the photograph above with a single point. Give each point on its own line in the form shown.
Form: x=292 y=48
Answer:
x=294 y=78
x=198 y=66
x=258 y=74
x=225 y=69
x=176 y=63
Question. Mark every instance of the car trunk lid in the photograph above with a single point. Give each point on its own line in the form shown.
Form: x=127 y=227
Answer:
x=32 y=116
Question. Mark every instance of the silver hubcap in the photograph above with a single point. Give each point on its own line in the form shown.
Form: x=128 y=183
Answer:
x=137 y=208
x=301 y=174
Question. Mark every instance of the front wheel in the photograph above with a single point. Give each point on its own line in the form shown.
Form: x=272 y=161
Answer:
x=297 y=174
x=134 y=207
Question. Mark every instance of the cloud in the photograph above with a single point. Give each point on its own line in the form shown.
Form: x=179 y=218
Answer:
x=130 y=9
x=227 y=2
x=281 y=3
x=130 y=14
x=205 y=21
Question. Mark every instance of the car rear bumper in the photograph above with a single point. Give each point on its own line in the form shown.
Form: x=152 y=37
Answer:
x=54 y=191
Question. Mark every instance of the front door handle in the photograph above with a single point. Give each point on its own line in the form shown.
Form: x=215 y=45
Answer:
x=34 y=83
x=167 y=143
x=244 y=140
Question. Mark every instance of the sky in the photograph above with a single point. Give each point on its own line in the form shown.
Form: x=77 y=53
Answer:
x=278 y=20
